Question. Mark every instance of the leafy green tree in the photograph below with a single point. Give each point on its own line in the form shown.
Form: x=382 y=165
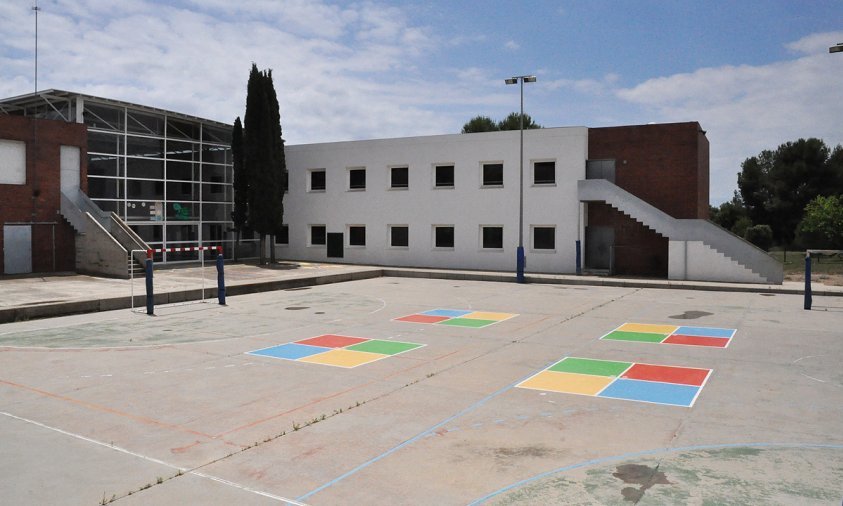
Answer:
x=480 y=124
x=760 y=235
x=513 y=122
x=728 y=214
x=240 y=215
x=822 y=224
x=775 y=186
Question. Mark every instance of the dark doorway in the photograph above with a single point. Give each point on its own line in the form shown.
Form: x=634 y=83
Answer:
x=335 y=245
x=599 y=242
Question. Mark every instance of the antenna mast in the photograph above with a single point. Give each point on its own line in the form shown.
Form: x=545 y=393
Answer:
x=36 y=9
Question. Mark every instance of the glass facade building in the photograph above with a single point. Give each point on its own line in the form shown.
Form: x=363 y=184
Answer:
x=167 y=175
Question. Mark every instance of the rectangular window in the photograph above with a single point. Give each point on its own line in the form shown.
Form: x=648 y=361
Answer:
x=399 y=177
x=443 y=236
x=544 y=172
x=356 y=235
x=492 y=174
x=12 y=162
x=282 y=236
x=444 y=176
x=399 y=236
x=544 y=238
x=317 y=180
x=357 y=179
x=317 y=235
x=492 y=237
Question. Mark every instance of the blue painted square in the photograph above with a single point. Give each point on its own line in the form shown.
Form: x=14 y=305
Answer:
x=705 y=332
x=650 y=391
x=451 y=313
x=290 y=351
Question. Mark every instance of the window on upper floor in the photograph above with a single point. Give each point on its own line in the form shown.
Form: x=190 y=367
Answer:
x=444 y=176
x=12 y=162
x=493 y=174
x=544 y=172
x=357 y=178
x=316 y=181
x=399 y=177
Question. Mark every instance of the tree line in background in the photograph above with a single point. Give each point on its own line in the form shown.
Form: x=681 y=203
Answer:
x=260 y=169
x=791 y=197
x=487 y=124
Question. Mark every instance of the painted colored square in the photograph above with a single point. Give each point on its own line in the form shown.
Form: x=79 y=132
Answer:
x=422 y=318
x=485 y=315
x=647 y=327
x=590 y=366
x=645 y=337
x=290 y=351
x=450 y=313
x=467 y=322
x=584 y=384
x=715 y=342
x=332 y=341
x=343 y=358
x=646 y=391
x=384 y=347
x=667 y=374
x=705 y=332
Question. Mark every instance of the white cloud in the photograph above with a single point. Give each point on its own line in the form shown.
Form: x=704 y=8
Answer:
x=512 y=45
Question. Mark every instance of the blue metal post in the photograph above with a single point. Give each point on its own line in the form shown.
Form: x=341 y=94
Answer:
x=150 y=296
x=808 y=298
x=579 y=259
x=519 y=264
x=220 y=278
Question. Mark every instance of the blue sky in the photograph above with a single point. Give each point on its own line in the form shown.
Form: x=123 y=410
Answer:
x=753 y=73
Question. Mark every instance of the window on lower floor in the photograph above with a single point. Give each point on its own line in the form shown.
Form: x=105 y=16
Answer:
x=317 y=235
x=356 y=235
x=491 y=237
x=544 y=238
x=544 y=172
x=443 y=236
x=444 y=176
x=492 y=174
x=399 y=236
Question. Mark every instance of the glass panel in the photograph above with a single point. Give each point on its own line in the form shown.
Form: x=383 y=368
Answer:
x=103 y=116
x=544 y=172
x=182 y=191
x=216 y=212
x=357 y=179
x=444 y=237
x=144 y=123
x=144 y=146
x=317 y=180
x=544 y=238
x=182 y=256
x=182 y=233
x=112 y=206
x=105 y=188
x=185 y=171
x=147 y=210
x=182 y=129
x=213 y=154
x=179 y=150
x=317 y=235
x=100 y=142
x=104 y=165
x=145 y=190
x=400 y=177
x=213 y=233
x=182 y=211
x=493 y=237
x=216 y=192
x=216 y=174
x=145 y=168
x=217 y=134
x=357 y=236
x=399 y=236
x=492 y=174
x=445 y=175
x=149 y=233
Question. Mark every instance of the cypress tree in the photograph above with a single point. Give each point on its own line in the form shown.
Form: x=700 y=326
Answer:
x=240 y=215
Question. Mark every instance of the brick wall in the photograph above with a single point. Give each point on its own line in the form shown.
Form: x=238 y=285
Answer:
x=39 y=200
x=666 y=165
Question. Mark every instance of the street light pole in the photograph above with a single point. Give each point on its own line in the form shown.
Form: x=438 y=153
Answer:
x=519 y=252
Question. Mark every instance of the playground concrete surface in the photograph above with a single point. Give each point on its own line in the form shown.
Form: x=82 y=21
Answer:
x=396 y=390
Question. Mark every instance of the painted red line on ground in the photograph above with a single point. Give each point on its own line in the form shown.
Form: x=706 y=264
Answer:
x=104 y=409
x=667 y=374
x=422 y=318
x=716 y=342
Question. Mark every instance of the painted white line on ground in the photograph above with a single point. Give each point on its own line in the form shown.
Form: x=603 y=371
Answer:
x=247 y=489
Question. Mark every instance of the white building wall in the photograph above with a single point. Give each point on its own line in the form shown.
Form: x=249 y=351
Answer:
x=695 y=261
x=467 y=206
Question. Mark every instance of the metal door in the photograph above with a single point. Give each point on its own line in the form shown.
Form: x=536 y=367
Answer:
x=335 y=245
x=17 y=249
x=599 y=242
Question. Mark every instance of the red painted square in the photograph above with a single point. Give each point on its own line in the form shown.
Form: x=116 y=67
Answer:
x=422 y=318
x=332 y=341
x=667 y=374
x=717 y=342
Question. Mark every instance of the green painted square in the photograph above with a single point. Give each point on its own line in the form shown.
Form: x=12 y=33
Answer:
x=467 y=322
x=383 y=347
x=589 y=366
x=645 y=337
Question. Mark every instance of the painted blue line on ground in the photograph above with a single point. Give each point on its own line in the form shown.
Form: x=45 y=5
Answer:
x=649 y=391
x=645 y=453
x=453 y=313
x=705 y=332
x=417 y=437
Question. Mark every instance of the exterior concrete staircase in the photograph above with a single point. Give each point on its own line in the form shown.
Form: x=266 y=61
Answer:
x=732 y=247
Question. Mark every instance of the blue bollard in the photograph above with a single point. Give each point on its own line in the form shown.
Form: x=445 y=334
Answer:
x=519 y=264
x=220 y=279
x=579 y=258
x=150 y=296
x=808 y=298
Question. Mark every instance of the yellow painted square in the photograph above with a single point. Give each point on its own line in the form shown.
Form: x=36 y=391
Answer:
x=343 y=358
x=567 y=382
x=648 y=327
x=484 y=315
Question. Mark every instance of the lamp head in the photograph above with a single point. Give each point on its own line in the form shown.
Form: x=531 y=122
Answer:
x=836 y=49
x=529 y=79
x=511 y=80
